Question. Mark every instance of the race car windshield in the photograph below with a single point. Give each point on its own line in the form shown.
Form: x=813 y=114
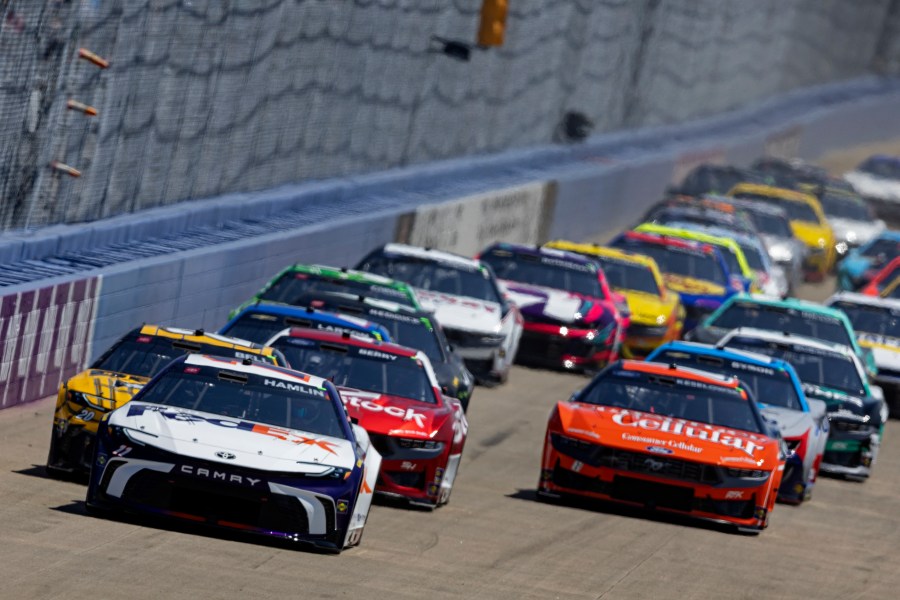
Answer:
x=545 y=272
x=260 y=327
x=771 y=224
x=786 y=320
x=436 y=277
x=796 y=210
x=768 y=385
x=843 y=206
x=625 y=275
x=754 y=257
x=813 y=367
x=293 y=286
x=411 y=332
x=872 y=319
x=146 y=355
x=677 y=261
x=360 y=368
x=290 y=404
x=672 y=396
x=886 y=246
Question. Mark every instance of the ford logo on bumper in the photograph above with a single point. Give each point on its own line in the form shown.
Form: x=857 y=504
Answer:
x=225 y=455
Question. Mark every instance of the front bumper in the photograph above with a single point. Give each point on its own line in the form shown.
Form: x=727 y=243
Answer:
x=420 y=476
x=678 y=486
x=851 y=449
x=165 y=485
x=561 y=347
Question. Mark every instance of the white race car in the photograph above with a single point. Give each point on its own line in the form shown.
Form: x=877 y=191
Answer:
x=481 y=324
x=877 y=180
x=240 y=445
x=877 y=325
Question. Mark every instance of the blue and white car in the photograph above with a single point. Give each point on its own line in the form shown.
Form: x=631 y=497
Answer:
x=238 y=445
x=803 y=423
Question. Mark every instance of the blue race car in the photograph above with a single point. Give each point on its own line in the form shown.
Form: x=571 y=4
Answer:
x=863 y=263
x=238 y=445
x=774 y=383
x=260 y=322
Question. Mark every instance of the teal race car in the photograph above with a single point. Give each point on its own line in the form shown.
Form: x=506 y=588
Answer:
x=790 y=316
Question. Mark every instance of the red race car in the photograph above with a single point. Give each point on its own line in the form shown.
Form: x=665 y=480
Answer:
x=573 y=319
x=393 y=393
x=667 y=438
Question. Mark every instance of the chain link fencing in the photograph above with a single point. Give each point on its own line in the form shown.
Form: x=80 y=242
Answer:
x=206 y=97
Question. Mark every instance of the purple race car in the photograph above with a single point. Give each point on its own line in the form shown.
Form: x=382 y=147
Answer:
x=572 y=318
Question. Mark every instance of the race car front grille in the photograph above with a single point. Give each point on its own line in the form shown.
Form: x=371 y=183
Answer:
x=221 y=502
x=652 y=494
x=657 y=465
x=538 y=346
x=842 y=459
x=738 y=509
x=404 y=479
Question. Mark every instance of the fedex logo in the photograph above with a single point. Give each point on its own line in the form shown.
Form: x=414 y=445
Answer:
x=135 y=410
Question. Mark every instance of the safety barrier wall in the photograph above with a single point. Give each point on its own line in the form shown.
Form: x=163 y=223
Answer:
x=52 y=328
x=207 y=97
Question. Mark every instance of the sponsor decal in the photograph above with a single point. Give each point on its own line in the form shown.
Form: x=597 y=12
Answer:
x=294 y=387
x=438 y=474
x=879 y=341
x=405 y=414
x=433 y=489
x=408 y=466
x=46 y=338
x=830 y=395
x=386 y=314
x=341 y=506
x=377 y=354
x=216 y=475
x=754 y=368
x=734 y=495
x=587 y=432
x=122 y=450
x=275 y=432
x=225 y=455
x=690 y=429
x=659 y=450
x=676 y=444
x=654 y=465
x=740 y=459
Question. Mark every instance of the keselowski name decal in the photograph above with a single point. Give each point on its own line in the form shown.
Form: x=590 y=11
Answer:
x=688 y=429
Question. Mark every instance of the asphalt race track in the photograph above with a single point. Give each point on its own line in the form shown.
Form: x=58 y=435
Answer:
x=493 y=540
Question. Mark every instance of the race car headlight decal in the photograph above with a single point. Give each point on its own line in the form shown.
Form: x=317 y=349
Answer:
x=747 y=473
x=419 y=444
x=98 y=403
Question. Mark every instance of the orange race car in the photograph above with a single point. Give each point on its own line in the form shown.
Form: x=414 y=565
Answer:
x=667 y=438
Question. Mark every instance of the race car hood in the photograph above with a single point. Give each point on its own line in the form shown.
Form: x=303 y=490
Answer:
x=886 y=350
x=862 y=231
x=655 y=434
x=811 y=233
x=791 y=423
x=106 y=388
x=836 y=400
x=645 y=308
x=462 y=312
x=543 y=303
x=692 y=286
x=200 y=435
x=393 y=415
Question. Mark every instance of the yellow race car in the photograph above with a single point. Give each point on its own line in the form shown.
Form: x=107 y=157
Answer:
x=657 y=315
x=116 y=376
x=808 y=223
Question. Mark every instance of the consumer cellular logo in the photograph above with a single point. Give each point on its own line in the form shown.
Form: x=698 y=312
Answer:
x=689 y=429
